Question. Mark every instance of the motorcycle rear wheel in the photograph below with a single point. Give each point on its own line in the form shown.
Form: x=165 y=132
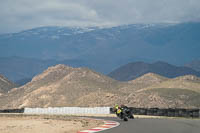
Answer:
x=125 y=119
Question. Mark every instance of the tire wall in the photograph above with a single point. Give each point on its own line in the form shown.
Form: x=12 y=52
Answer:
x=166 y=112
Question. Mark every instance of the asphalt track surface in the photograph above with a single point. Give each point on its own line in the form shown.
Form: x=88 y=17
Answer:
x=142 y=125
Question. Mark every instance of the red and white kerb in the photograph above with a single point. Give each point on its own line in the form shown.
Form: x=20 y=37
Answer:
x=107 y=125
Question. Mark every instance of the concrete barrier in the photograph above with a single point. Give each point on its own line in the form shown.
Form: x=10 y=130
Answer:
x=68 y=110
x=195 y=113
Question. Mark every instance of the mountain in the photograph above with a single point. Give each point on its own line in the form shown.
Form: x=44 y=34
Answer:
x=22 y=70
x=194 y=65
x=5 y=84
x=180 y=92
x=133 y=70
x=59 y=86
x=148 y=79
x=189 y=82
x=107 y=48
x=62 y=85
x=143 y=81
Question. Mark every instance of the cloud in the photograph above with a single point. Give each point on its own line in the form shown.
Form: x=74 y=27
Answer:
x=148 y=11
x=22 y=14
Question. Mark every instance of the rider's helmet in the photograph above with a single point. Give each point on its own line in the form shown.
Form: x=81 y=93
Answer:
x=116 y=106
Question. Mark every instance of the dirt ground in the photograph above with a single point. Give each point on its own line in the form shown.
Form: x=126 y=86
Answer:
x=45 y=124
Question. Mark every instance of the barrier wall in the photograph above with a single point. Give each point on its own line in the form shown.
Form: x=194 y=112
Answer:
x=166 y=112
x=68 y=110
x=12 y=111
x=107 y=110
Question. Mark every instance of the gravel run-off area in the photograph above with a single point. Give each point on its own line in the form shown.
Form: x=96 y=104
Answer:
x=13 y=123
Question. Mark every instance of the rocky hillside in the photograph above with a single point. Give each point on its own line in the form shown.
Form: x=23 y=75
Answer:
x=60 y=86
x=189 y=82
x=149 y=79
x=66 y=86
x=5 y=84
x=136 y=69
x=180 y=92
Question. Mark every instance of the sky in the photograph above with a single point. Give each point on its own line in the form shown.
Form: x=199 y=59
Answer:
x=17 y=15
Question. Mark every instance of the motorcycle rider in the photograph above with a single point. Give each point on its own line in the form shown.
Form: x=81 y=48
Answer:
x=117 y=110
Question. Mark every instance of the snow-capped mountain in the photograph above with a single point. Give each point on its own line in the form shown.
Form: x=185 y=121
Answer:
x=107 y=48
x=53 y=32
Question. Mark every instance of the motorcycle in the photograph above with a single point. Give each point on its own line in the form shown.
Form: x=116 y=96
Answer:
x=129 y=112
x=125 y=113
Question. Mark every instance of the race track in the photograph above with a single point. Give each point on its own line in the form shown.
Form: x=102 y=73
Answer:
x=156 y=126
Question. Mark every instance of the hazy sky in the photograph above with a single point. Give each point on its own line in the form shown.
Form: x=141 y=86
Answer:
x=16 y=15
